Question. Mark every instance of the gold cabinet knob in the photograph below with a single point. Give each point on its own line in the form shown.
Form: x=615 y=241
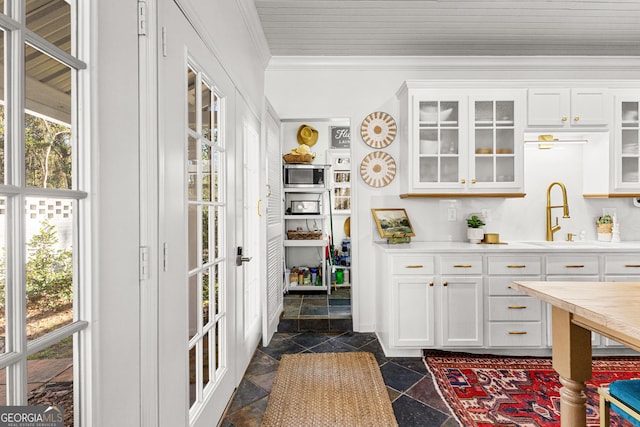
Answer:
x=473 y=181
x=430 y=283
x=463 y=181
x=565 y=118
x=576 y=118
x=445 y=283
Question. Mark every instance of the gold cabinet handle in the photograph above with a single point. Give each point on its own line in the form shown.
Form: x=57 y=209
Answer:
x=517 y=333
x=473 y=181
x=430 y=283
x=463 y=181
x=517 y=307
x=516 y=266
x=565 y=118
x=462 y=266
x=509 y=287
x=632 y=265
x=576 y=118
x=259 y=207
x=413 y=266
x=445 y=283
x=574 y=266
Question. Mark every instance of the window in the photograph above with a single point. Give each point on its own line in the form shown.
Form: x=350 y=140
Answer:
x=43 y=194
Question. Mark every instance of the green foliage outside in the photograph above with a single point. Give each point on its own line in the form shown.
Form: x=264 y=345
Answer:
x=49 y=271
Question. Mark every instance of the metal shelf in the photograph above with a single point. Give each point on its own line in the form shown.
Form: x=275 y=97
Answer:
x=299 y=243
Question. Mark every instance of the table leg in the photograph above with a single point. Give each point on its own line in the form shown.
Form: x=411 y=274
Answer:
x=572 y=360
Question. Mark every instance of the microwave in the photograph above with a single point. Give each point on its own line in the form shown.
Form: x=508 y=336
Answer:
x=304 y=176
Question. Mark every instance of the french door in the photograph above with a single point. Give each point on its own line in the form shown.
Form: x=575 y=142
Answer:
x=196 y=299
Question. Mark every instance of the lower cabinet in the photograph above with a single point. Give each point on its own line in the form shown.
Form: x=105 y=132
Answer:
x=412 y=299
x=461 y=311
x=465 y=301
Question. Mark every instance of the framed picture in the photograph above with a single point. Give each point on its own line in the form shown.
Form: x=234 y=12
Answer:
x=392 y=222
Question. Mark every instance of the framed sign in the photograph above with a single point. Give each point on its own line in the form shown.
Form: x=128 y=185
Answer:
x=392 y=222
x=340 y=136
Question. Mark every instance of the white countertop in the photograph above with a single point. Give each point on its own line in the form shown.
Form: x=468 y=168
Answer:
x=537 y=246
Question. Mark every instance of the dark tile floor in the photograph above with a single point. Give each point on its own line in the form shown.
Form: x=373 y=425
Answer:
x=317 y=311
x=414 y=398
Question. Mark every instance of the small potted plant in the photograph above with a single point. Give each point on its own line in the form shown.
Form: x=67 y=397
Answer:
x=604 y=226
x=475 y=232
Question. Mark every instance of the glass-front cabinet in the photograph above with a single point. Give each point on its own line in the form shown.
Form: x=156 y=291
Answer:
x=439 y=160
x=628 y=146
x=462 y=141
x=494 y=134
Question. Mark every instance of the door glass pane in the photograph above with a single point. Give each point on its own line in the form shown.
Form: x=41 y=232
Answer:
x=484 y=112
x=206 y=360
x=2 y=114
x=216 y=138
x=484 y=169
x=49 y=269
x=215 y=175
x=206 y=286
x=48 y=138
x=505 y=169
x=51 y=20
x=193 y=236
x=207 y=109
x=449 y=169
x=630 y=170
x=505 y=141
x=630 y=114
x=193 y=304
x=206 y=171
x=192 y=168
x=191 y=99
x=3 y=280
x=429 y=169
x=193 y=363
x=205 y=235
x=505 y=113
x=50 y=379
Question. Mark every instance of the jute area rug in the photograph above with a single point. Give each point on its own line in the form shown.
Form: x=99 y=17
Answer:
x=487 y=391
x=329 y=389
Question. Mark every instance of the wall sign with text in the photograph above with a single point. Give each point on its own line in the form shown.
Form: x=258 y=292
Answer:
x=340 y=136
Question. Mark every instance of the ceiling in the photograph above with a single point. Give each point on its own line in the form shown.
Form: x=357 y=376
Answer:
x=450 y=27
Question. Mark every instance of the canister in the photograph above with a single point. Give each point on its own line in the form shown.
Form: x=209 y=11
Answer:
x=339 y=276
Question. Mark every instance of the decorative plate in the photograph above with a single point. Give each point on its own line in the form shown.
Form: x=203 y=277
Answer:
x=378 y=169
x=378 y=129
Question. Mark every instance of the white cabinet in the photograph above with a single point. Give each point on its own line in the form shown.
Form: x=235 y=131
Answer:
x=412 y=300
x=626 y=142
x=515 y=320
x=461 y=141
x=405 y=318
x=562 y=108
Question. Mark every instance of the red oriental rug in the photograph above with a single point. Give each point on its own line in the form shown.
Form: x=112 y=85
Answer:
x=524 y=392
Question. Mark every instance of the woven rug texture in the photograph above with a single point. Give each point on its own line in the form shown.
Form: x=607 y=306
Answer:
x=524 y=392
x=329 y=389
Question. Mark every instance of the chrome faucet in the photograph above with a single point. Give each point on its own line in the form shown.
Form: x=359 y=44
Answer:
x=552 y=229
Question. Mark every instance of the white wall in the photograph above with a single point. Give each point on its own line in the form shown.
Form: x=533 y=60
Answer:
x=354 y=88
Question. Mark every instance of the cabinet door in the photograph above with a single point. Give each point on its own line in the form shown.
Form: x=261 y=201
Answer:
x=412 y=313
x=627 y=143
x=439 y=149
x=495 y=148
x=548 y=107
x=589 y=107
x=462 y=311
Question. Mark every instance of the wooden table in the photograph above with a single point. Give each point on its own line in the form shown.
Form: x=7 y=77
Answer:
x=609 y=308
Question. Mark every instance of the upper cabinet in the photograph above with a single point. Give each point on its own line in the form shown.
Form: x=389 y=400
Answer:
x=560 y=108
x=461 y=142
x=627 y=143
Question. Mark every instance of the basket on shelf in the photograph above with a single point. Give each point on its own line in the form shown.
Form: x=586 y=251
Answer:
x=298 y=158
x=304 y=235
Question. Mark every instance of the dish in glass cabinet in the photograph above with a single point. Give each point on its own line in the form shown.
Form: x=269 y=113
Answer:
x=378 y=169
x=378 y=130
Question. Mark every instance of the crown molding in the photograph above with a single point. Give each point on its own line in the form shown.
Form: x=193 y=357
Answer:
x=453 y=63
x=254 y=27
